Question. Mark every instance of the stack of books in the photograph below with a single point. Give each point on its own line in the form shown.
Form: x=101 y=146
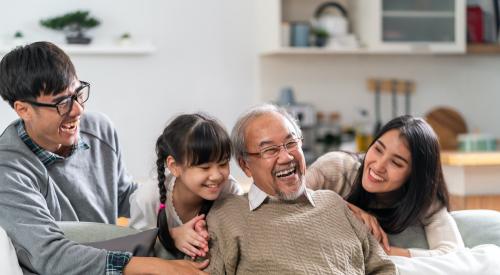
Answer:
x=483 y=21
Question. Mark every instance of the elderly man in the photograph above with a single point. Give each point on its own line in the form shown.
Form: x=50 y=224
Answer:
x=281 y=227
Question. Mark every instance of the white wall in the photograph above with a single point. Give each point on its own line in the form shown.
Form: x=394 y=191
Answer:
x=470 y=84
x=205 y=61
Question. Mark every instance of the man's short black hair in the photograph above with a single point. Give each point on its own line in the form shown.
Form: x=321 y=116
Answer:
x=35 y=69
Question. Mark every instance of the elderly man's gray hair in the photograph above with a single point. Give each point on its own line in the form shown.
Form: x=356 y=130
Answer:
x=238 y=132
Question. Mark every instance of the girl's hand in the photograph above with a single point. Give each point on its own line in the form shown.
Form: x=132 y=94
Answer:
x=187 y=240
x=398 y=251
x=201 y=228
x=373 y=225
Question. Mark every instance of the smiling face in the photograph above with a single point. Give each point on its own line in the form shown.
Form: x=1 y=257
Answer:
x=44 y=124
x=205 y=180
x=282 y=175
x=387 y=164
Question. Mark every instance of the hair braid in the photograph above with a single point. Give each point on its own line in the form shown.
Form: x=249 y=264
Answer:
x=160 y=168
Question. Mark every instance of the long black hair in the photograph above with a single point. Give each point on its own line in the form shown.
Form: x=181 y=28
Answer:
x=191 y=139
x=425 y=185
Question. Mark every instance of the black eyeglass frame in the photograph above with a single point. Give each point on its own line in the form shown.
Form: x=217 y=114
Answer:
x=299 y=141
x=73 y=97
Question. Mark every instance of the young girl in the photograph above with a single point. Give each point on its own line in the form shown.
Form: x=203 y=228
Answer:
x=193 y=154
x=399 y=182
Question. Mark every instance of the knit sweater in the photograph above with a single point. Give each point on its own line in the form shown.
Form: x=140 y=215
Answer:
x=337 y=171
x=292 y=238
x=89 y=185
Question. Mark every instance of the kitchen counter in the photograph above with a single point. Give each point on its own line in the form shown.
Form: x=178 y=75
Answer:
x=473 y=179
x=455 y=158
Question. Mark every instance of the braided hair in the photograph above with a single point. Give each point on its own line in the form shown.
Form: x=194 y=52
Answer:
x=191 y=139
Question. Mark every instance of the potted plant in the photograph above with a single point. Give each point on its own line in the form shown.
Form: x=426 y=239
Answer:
x=125 y=39
x=18 y=38
x=320 y=36
x=74 y=24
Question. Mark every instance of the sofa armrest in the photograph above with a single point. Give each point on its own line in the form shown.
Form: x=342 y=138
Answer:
x=476 y=227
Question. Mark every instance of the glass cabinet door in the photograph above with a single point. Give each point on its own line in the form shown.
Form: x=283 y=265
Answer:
x=418 y=21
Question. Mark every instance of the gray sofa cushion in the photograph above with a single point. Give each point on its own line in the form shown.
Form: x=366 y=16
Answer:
x=86 y=232
x=412 y=237
x=476 y=227
x=111 y=237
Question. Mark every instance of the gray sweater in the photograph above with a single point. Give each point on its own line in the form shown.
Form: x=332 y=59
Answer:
x=89 y=185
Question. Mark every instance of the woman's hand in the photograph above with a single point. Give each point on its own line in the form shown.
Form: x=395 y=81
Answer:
x=373 y=225
x=398 y=251
x=188 y=240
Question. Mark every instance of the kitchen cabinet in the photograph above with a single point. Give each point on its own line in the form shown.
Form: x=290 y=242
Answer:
x=420 y=26
x=382 y=26
x=473 y=179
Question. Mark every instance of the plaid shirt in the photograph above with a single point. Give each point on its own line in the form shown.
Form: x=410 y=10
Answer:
x=115 y=260
x=46 y=157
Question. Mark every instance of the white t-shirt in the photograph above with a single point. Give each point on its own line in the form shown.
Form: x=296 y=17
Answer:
x=8 y=257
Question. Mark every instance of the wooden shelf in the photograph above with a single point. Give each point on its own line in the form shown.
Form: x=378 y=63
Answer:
x=288 y=51
x=483 y=49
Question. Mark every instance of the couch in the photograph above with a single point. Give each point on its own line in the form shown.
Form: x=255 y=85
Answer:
x=476 y=226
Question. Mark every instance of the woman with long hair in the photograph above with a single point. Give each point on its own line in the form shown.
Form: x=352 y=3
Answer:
x=396 y=184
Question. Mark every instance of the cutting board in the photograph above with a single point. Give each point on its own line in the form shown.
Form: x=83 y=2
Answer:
x=448 y=124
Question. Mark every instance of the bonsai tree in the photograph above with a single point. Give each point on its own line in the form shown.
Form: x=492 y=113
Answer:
x=18 y=34
x=74 y=24
x=18 y=38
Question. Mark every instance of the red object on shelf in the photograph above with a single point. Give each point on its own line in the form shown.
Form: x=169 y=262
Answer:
x=475 y=31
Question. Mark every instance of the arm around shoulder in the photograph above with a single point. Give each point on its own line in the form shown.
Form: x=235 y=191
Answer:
x=334 y=171
x=375 y=259
x=442 y=235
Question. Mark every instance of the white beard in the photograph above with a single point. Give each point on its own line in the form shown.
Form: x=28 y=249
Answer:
x=295 y=195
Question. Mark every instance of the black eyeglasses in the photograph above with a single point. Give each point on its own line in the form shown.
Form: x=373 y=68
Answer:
x=274 y=150
x=65 y=105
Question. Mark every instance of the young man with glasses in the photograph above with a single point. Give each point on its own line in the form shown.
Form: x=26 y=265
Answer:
x=281 y=227
x=57 y=164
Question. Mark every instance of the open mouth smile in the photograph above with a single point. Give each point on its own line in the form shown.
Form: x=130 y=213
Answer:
x=69 y=127
x=286 y=172
x=374 y=176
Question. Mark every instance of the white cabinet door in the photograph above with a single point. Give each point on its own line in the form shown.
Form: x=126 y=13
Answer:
x=382 y=26
x=413 y=26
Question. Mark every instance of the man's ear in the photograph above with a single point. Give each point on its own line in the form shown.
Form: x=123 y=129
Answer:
x=173 y=166
x=244 y=166
x=23 y=110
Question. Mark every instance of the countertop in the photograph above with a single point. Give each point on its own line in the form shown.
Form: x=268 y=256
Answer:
x=455 y=158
